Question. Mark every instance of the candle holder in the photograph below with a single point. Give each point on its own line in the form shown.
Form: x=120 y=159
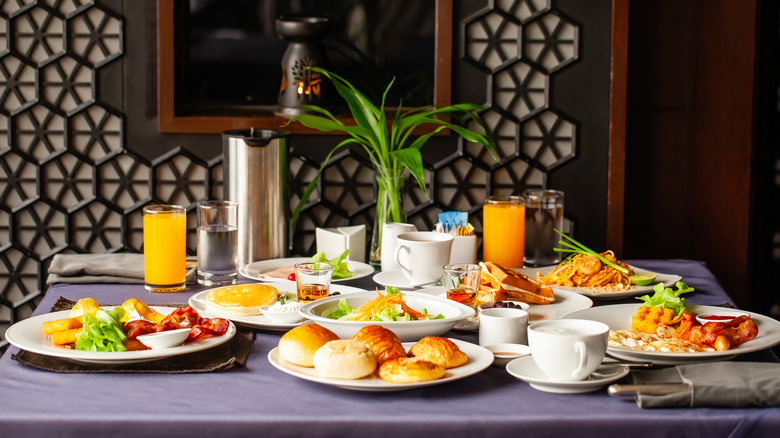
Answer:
x=301 y=86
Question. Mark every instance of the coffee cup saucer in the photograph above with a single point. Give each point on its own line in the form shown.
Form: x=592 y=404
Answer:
x=525 y=369
x=396 y=278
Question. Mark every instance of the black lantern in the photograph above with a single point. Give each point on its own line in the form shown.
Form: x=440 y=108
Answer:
x=301 y=86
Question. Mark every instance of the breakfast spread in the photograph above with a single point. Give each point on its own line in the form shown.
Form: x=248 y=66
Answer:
x=374 y=350
x=89 y=327
x=663 y=324
x=241 y=299
x=501 y=283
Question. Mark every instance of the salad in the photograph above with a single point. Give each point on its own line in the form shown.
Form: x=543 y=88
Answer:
x=388 y=306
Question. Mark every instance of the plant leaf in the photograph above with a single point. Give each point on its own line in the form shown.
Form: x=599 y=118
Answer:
x=411 y=159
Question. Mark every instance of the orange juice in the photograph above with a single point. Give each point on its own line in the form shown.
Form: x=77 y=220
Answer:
x=503 y=230
x=165 y=248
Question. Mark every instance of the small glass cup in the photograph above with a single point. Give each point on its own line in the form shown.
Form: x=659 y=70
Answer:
x=165 y=248
x=217 y=243
x=461 y=282
x=543 y=214
x=312 y=280
x=503 y=230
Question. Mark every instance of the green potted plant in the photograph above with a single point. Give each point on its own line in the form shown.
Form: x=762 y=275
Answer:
x=391 y=147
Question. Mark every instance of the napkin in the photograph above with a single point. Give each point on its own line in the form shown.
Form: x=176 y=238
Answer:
x=101 y=268
x=715 y=384
x=222 y=357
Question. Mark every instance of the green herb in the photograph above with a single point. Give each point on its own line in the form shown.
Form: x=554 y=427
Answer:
x=667 y=297
x=284 y=298
x=392 y=290
x=579 y=248
x=102 y=332
x=339 y=312
x=340 y=265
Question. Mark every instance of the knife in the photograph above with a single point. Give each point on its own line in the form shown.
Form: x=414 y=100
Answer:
x=618 y=390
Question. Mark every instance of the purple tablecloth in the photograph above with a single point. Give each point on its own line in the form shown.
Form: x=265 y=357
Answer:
x=258 y=400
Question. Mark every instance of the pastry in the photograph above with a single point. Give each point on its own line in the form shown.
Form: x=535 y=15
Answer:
x=504 y=283
x=410 y=370
x=440 y=351
x=383 y=342
x=298 y=345
x=344 y=359
x=241 y=299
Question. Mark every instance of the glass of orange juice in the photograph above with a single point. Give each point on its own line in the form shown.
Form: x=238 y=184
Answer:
x=165 y=248
x=503 y=230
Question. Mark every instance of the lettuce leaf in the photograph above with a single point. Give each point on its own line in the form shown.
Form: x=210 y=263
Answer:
x=102 y=332
x=340 y=265
x=342 y=310
x=667 y=297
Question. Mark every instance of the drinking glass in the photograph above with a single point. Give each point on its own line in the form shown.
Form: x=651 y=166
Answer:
x=165 y=248
x=543 y=214
x=217 y=243
x=312 y=280
x=461 y=283
x=503 y=230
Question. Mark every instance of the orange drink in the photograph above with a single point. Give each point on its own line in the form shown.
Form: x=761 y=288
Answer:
x=165 y=248
x=503 y=230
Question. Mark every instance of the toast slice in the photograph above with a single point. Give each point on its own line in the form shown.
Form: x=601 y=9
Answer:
x=506 y=282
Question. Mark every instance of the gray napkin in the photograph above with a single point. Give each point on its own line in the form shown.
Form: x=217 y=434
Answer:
x=715 y=384
x=100 y=268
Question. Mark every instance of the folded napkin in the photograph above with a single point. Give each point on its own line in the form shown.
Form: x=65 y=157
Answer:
x=716 y=384
x=123 y=268
x=222 y=357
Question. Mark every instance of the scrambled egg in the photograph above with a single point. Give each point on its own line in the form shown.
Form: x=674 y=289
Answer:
x=651 y=342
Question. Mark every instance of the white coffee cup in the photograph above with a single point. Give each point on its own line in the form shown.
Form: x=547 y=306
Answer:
x=503 y=326
x=422 y=254
x=568 y=350
x=390 y=232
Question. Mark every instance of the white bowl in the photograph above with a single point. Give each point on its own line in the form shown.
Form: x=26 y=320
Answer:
x=505 y=353
x=281 y=317
x=702 y=317
x=166 y=339
x=489 y=304
x=407 y=331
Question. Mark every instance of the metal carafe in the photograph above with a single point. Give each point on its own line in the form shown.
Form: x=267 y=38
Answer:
x=255 y=176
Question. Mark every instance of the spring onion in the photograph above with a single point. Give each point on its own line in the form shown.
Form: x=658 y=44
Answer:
x=578 y=248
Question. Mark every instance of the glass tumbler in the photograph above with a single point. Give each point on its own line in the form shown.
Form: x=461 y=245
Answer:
x=165 y=248
x=543 y=215
x=503 y=230
x=217 y=243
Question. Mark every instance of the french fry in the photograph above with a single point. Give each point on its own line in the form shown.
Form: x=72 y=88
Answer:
x=60 y=325
x=65 y=337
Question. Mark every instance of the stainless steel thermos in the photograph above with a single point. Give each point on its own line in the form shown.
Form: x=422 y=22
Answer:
x=256 y=177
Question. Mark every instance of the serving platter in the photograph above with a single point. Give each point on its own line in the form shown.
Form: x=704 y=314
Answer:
x=634 y=291
x=618 y=317
x=257 y=270
x=28 y=335
x=198 y=302
x=479 y=359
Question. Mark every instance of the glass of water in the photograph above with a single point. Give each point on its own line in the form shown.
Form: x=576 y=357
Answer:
x=543 y=214
x=217 y=243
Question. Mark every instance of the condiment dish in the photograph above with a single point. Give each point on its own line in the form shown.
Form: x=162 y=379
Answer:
x=719 y=316
x=505 y=353
x=166 y=339
x=288 y=314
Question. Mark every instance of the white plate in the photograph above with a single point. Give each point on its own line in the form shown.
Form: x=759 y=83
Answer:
x=397 y=279
x=525 y=369
x=634 y=291
x=198 y=302
x=255 y=270
x=27 y=335
x=405 y=330
x=479 y=359
x=618 y=317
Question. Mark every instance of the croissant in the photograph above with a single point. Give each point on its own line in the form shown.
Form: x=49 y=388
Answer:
x=383 y=342
x=440 y=351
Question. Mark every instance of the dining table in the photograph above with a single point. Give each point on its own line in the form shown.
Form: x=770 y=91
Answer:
x=257 y=399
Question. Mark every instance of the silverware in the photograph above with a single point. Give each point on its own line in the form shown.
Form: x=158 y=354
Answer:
x=615 y=361
x=618 y=390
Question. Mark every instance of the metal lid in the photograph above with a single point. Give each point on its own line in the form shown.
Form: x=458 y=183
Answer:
x=255 y=137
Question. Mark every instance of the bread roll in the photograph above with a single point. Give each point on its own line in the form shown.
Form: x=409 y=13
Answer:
x=440 y=351
x=241 y=299
x=410 y=370
x=383 y=342
x=298 y=345
x=344 y=359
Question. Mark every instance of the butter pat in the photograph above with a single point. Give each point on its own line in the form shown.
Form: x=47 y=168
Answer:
x=333 y=242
